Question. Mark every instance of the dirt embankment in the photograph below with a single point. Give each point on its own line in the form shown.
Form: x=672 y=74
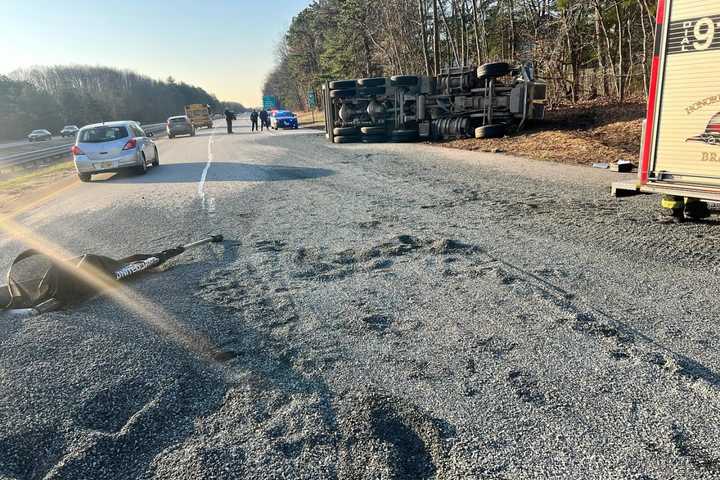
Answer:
x=583 y=134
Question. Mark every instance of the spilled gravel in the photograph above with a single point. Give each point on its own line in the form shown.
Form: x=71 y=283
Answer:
x=413 y=313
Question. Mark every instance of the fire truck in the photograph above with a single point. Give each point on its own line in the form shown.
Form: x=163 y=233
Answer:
x=680 y=154
x=484 y=102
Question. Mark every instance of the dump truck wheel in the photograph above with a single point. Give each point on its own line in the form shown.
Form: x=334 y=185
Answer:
x=374 y=139
x=343 y=93
x=404 y=135
x=372 y=82
x=369 y=91
x=373 y=130
x=346 y=139
x=493 y=70
x=345 y=131
x=404 y=80
x=342 y=84
x=490 y=131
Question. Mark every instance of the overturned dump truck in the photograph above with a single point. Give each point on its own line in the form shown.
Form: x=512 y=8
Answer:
x=484 y=102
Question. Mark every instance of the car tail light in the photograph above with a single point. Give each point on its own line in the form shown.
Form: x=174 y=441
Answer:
x=75 y=150
x=132 y=143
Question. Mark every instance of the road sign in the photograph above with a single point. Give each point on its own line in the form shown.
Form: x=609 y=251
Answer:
x=269 y=102
x=312 y=100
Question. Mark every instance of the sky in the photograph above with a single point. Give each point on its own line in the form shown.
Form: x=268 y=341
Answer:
x=226 y=47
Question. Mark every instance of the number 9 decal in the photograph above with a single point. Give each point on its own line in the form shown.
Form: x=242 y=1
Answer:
x=704 y=33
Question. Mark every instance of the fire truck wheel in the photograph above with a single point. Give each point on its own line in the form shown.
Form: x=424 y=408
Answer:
x=372 y=82
x=348 y=139
x=404 y=80
x=345 y=131
x=369 y=91
x=490 y=131
x=404 y=135
x=696 y=209
x=493 y=70
x=342 y=84
x=373 y=130
x=343 y=93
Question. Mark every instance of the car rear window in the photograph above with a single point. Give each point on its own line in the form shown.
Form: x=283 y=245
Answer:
x=103 y=134
x=178 y=120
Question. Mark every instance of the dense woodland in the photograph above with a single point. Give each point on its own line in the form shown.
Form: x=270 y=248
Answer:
x=583 y=48
x=50 y=97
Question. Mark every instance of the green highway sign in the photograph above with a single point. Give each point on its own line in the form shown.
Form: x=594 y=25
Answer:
x=269 y=102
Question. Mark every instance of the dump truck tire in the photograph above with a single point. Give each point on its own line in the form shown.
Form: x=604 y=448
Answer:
x=346 y=139
x=490 y=131
x=374 y=139
x=342 y=84
x=404 y=135
x=372 y=82
x=404 y=80
x=373 y=130
x=493 y=70
x=370 y=91
x=343 y=93
x=345 y=131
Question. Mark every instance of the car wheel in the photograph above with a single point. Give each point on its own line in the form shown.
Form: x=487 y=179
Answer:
x=84 y=177
x=491 y=131
x=493 y=70
x=342 y=84
x=142 y=168
x=156 y=161
x=404 y=80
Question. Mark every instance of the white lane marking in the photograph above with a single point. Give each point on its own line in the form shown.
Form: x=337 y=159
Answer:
x=210 y=205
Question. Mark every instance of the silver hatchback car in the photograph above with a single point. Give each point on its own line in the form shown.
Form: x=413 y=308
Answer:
x=113 y=146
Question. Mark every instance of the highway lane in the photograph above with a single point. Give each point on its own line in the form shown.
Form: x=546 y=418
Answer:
x=384 y=311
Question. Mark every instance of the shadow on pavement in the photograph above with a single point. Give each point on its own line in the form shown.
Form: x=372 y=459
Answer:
x=218 y=172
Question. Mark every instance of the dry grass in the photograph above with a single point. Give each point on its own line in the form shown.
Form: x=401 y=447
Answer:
x=306 y=119
x=580 y=134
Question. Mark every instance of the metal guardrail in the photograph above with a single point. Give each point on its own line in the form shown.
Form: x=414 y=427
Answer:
x=25 y=158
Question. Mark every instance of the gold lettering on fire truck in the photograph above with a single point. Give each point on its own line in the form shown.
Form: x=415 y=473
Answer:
x=711 y=100
x=709 y=157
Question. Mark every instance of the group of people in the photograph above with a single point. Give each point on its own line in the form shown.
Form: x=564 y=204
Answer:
x=263 y=117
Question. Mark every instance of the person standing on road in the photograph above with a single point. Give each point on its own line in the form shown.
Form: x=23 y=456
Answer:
x=254 y=121
x=263 y=120
x=229 y=117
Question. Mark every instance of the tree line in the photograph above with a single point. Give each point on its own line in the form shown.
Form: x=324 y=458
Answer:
x=583 y=48
x=50 y=97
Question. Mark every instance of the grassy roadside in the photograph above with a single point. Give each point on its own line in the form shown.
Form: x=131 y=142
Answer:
x=582 y=134
x=306 y=119
x=23 y=189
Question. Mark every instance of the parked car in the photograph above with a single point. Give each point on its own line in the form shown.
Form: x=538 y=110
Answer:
x=39 y=136
x=283 y=119
x=113 y=146
x=69 y=131
x=180 y=125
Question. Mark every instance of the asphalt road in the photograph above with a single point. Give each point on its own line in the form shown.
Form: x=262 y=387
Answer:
x=383 y=311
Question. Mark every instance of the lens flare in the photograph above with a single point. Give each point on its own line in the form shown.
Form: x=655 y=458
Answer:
x=151 y=313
